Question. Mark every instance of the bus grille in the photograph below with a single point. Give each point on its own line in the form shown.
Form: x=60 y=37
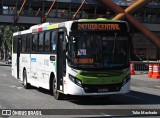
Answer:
x=102 y=88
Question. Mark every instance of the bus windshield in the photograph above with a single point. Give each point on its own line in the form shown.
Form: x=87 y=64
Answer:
x=99 y=50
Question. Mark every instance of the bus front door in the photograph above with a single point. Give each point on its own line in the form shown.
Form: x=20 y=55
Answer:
x=19 y=45
x=61 y=61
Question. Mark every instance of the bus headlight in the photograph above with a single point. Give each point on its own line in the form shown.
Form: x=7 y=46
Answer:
x=75 y=80
x=127 y=78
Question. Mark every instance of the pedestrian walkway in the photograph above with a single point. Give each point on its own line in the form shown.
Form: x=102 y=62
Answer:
x=142 y=80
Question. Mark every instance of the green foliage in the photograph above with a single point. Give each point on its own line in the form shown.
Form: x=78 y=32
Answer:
x=6 y=35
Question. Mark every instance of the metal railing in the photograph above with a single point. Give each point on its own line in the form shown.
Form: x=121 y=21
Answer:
x=66 y=15
x=143 y=66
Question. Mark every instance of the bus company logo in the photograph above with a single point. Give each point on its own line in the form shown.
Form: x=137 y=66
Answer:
x=6 y=112
x=33 y=59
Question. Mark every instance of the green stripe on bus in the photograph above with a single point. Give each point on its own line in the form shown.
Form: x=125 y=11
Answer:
x=101 y=78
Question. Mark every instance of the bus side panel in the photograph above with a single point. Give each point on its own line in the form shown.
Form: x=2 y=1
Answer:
x=40 y=69
x=32 y=77
x=41 y=73
x=49 y=67
x=44 y=69
x=24 y=64
x=39 y=77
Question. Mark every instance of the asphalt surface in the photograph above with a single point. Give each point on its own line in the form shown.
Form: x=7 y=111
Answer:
x=145 y=94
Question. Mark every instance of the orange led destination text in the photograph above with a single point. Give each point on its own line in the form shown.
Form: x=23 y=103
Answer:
x=84 y=61
x=98 y=26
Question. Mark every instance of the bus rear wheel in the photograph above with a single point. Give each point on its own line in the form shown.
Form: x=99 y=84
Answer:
x=57 y=95
x=25 y=83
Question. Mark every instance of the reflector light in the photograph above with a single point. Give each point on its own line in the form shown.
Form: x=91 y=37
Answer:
x=34 y=30
x=44 y=28
x=52 y=26
x=39 y=29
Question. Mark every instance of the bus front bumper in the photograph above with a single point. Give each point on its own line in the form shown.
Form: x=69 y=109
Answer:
x=74 y=89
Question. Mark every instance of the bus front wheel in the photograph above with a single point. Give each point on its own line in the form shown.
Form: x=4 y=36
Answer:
x=57 y=95
x=25 y=83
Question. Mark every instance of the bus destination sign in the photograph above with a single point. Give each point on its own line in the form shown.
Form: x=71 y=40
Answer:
x=95 y=26
x=90 y=26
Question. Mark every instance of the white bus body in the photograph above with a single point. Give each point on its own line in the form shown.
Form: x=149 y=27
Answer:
x=41 y=68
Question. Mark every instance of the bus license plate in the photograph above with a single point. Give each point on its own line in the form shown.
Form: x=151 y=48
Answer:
x=102 y=89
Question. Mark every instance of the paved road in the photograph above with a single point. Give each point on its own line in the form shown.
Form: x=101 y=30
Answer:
x=14 y=96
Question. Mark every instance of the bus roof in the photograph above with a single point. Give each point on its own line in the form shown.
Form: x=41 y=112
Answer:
x=39 y=25
x=49 y=25
x=22 y=32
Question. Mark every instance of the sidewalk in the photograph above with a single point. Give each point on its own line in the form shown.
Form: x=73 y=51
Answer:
x=142 y=80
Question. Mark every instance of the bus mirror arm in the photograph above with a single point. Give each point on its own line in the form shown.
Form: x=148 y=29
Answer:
x=64 y=46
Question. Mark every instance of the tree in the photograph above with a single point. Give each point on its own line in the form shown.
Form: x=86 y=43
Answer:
x=6 y=36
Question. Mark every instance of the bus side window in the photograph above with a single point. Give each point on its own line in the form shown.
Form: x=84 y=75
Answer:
x=15 y=44
x=24 y=44
x=53 y=41
x=41 y=43
x=34 y=42
x=47 y=42
x=19 y=44
x=28 y=43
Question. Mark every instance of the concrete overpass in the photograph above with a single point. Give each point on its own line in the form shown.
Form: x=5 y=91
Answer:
x=28 y=12
x=33 y=11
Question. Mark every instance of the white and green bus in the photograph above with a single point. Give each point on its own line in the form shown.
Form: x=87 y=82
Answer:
x=86 y=57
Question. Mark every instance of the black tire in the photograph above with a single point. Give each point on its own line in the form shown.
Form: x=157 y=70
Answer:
x=57 y=95
x=25 y=83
